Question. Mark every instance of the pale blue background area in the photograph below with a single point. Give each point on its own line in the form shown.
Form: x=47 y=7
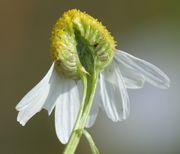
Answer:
x=147 y=29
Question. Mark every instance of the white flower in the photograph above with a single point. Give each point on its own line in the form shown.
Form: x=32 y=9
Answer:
x=55 y=91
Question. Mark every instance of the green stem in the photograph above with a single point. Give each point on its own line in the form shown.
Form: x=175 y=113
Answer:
x=73 y=141
x=84 y=80
x=94 y=149
x=89 y=87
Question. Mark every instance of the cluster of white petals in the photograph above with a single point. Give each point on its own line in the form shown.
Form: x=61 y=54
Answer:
x=55 y=91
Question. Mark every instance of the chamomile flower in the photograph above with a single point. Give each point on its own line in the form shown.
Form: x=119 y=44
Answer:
x=87 y=73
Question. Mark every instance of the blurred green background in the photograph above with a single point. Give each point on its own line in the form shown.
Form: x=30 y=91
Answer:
x=148 y=29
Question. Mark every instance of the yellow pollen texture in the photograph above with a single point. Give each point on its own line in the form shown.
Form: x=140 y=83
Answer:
x=63 y=37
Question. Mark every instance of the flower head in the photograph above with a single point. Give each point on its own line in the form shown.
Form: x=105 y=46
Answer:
x=82 y=48
x=80 y=44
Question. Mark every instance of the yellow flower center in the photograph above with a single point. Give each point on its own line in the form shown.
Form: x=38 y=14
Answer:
x=79 y=44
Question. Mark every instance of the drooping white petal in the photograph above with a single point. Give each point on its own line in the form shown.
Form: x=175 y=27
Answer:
x=151 y=73
x=25 y=114
x=66 y=109
x=95 y=107
x=33 y=101
x=132 y=79
x=56 y=89
x=133 y=83
x=115 y=99
x=34 y=92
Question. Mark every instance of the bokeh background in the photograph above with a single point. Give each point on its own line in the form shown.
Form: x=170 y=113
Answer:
x=148 y=29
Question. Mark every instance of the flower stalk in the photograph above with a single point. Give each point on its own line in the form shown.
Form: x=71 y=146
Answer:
x=94 y=149
x=89 y=88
